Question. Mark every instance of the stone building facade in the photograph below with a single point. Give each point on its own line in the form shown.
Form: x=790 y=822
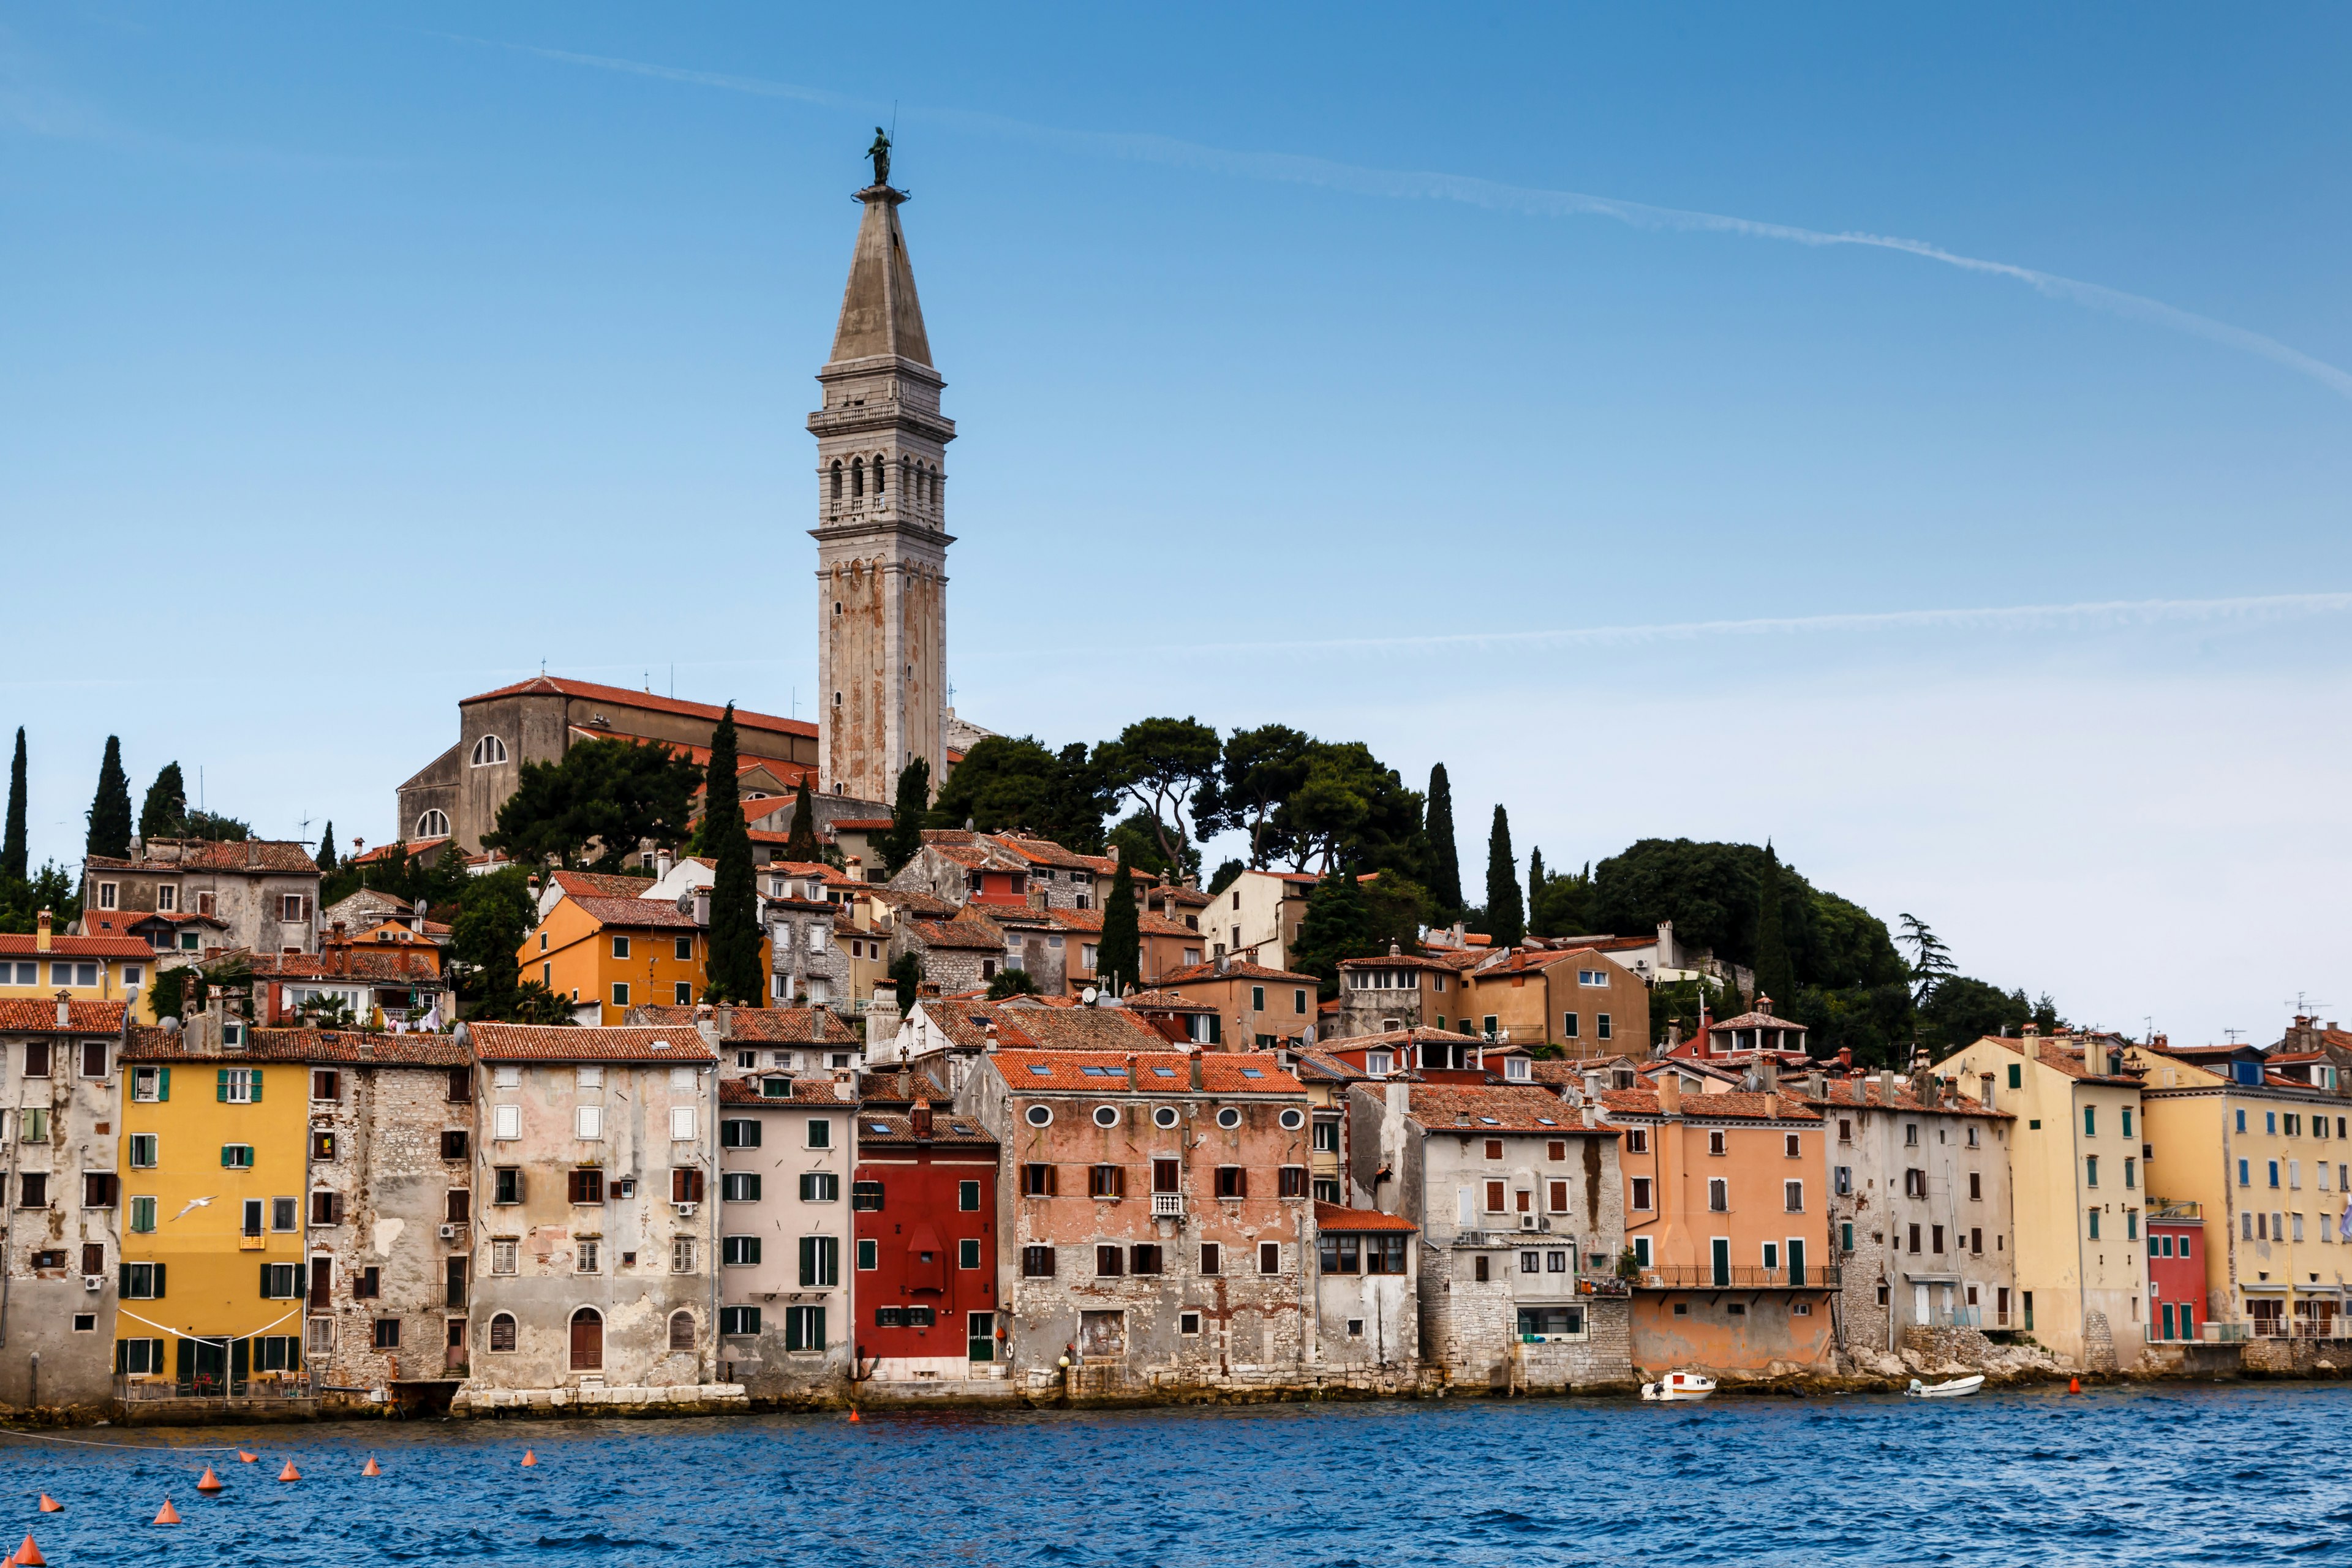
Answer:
x=59 y=1114
x=1156 y=1217
x=786 y=1145
x=594 y=1275
x=264 y=891
x=810 y=967
x=1519 y=1200
x=390 y=1206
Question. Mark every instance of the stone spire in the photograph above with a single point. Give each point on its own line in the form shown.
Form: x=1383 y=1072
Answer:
x=881 y=530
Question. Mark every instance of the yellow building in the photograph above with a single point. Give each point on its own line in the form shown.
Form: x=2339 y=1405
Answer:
x=212 y=1159
x=2268 y=1159
x=613 y=953
x=86 y=968
x=2076 y=1179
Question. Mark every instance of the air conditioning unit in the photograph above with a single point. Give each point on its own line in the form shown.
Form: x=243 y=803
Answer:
x=449 y=1232
x=93 y=1281
x=1527 y=1222
x=685 y=1209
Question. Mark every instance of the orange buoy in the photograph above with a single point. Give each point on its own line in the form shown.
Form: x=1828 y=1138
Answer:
x=852 y=1413
x=208 y=1482
x=373 y=1469
x=51 y=1505
x=245 y=1458
x=289 y=1473
x=29 y=1553
x=2073 y=1385
x=529 y=1458
x=167 y=1514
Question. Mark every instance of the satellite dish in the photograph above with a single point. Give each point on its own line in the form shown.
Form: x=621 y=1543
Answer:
x=1308 y=1038
x=1089 y=995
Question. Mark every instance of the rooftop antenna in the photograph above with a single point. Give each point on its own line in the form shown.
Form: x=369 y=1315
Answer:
x=2233 y=1035
x=2305 y=1005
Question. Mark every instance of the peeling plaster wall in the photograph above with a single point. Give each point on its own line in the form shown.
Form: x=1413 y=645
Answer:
x=75 y=1366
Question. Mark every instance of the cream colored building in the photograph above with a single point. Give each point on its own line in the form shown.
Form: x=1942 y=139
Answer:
x=2268 y=1159
x=2076 y=1176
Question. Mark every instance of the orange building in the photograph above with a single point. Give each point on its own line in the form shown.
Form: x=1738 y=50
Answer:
x=1726 y=1217
x=616 y=954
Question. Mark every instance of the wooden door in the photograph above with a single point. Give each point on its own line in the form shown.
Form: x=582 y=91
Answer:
x=587 y=1341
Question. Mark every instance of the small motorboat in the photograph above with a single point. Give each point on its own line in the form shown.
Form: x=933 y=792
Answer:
x=1952 y=1390
x=1679 y=1387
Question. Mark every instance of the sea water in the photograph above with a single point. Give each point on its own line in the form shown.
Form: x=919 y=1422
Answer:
x=2168 y=1474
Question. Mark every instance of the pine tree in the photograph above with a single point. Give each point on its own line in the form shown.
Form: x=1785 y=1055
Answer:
x=1446 y=878
x=326 y=855
x=12 y=849
x=734 y=969
x=1775 y=976
x=110 y=808
x=800 y=844
x=1506 y=917
x=1118 y=959
x=164 y=812
x=910 y=805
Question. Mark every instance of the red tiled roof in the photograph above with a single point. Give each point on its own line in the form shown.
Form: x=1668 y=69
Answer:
x=1866 y=1094
x=1333 y=1217
x=966 y=935
x=1039 y=851
x=363 y=1049
x=965 y=1024
x=1236 y=968
x=640 y=913
x=1402 y=1037
x=75 y=946
x=1166 y=1002
x=1090 y=921
x=351 y=962
x=1442 y=1108
x=424 y=847
x=1156 y=1072
x=599 y=884
x=806 y=1091
x=902 y=1086
x=32 y=1016
x=621 y=695
x=264 y=856
x=950 y=1129
x=861 y=824
x=1736 y=1106
x=557 y=1043
x=1395 y=961
x=753 y=1026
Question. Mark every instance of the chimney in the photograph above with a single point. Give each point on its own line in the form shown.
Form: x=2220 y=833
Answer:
x=991 y=1037
x=1768 y=1072
x=702 y=906
x=335 y=934
x=1886 y=1085
x=41 y=935
x=1131 y=1084
x=1670 y=1092
x=1674 y=1032
x=919 y=1120
x=1197 y=1078
x=662 y=865
x=417 y=920
x=65 y=1009
x=1593 y=1081
x=1399 y=1096
x=845 y=1083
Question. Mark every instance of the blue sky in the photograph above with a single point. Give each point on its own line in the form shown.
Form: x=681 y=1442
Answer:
x=1392 y=373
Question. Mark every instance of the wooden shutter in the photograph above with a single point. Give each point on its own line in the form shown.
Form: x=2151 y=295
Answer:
x=220 y=1084
x=163 y=1083
x=255 y=1086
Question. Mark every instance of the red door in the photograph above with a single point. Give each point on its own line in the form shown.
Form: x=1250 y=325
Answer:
x=587 y=1341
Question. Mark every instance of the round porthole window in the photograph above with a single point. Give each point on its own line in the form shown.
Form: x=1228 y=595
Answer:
x=1105 y=1116
x=1293 y=1119
x=1229 y=1118
x=1164 y=1117
x=1040 y=1115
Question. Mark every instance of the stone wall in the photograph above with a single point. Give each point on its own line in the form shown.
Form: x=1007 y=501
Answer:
x=56 y=1336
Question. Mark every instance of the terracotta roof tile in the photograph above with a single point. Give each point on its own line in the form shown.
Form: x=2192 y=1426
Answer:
x=1236 y=968
x=32 y=1016
x=257 y=855
x=75 y=947
x=1442 y=1108
x=557 y=1043
x=361 y=1049
x=599 y=884
x=1736 y=1106
x=621 y=695
x=1866 y=1094
x=1333 y=1217
x=950 y=1129
x=753 y=1025
x=639 y=912
x=805 y=1090
x=1156 y=1072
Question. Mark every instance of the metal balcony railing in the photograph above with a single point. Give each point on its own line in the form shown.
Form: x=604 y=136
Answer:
x=1735 y=1276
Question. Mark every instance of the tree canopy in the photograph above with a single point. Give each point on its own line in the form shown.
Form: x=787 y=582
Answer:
x=1162 y=765
x=1444 y=864
x=165 y=810
x=1260 y=769
x=495 y=913
x=910 y=803
x=1505 y=916
x=605 y=794
x=1012 y=783
x=734 y=972
x=110 y=808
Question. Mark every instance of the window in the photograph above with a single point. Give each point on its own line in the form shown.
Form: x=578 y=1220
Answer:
x=2274 y=1173
x=506 y=1123
x=1145 y=1258
x=2091 y=1171
x=281 y=1282
x=503 y=1258
x=285 y=1214
x=738 y=1133
x=619 y=994
x=487 y=751
x=804 y=1327
x=1714 y=1143
x=1036 y=1181
x=1292 y=1182
x=1792 y=1196
x=36 y=1058
x=587 y=1185
x=2243 y=1180
x=387 y=1333
x=739 y=1322
x=820 y=1261
x=1792 y=1145
x=143 y=1215
x=1269 y=1257
x=2131 y=1173
x=1556 y=1197
x=588 y=1123
x=1106 y=1182
x=1232 y=1181
x=1212 y=1257
x=1913 y=1239
x=1601 y=1028
x=1640 y=1198
x=2095 y=1225
x=141 y=1281
x=968 y=1253
x=820 y=1132
x=149 y=1085
x=1036 y=1263
x=1111 y=1262
x=237 y=1157
x=237 y=1086
x=139 y=1357
x=1718 y=1195
x=865 y=1196
x=294 y=908
x=2090 y=1122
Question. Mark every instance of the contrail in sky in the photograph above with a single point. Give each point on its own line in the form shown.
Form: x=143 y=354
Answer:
x=1296 y=169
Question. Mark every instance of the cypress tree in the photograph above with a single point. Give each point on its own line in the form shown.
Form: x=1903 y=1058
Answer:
x=1336 y=925
x=1506 y=917
x=326 y=855
x=800 y=844
x=734 y=969
x=1445 y=876
x=1776 y=976
x=12 y=849
x=110 y=808
x=910 y=804
x=164 y=812
x=1536 y=888
x=1119 y=959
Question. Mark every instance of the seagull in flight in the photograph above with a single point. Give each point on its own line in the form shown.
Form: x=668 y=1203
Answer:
x=193 y=1204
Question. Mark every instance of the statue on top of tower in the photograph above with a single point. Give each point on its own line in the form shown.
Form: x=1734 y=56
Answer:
x=880 y=153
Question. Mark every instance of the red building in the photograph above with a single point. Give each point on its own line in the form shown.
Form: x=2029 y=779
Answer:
x=923 y=1201
x=2176 y=1271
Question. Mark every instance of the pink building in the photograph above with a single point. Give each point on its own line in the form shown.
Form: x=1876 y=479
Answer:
x=2176 y=1269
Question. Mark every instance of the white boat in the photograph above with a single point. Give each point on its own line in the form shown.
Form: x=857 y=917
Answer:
x=1952 y=1390
x=1679 y=1387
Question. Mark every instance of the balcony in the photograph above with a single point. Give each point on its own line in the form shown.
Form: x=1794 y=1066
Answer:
x=1167 y=1206
x=251 y=1243
x=2173 y=1209
x=1735 y=1276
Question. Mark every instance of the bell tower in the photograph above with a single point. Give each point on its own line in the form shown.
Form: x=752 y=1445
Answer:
x=881 y=534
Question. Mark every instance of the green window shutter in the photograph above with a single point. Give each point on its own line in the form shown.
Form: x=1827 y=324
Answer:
x=808 y=1260
x=122 y=1280
x=220 y=1085
x=159 y=1281
x=122 y=1355
x=266 y=1294
x=163 y=1083
x=816 y=1331
x=302 y=1284
x=257 y=1086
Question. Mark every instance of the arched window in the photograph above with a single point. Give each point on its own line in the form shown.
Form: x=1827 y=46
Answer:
x=836 y=479
x=433 y=824
x=587 y=1340
x=681 y=1330
x=502 y=1336
x=881 y=467
x=856 y=476
x=488 y=750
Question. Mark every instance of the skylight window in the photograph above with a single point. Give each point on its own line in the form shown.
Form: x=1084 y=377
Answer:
x=1490 y=1121
x=1251 y=1072
x=1097 y=1073
x=1041 y=1069
x=1163 y=1072
x=877 y=1127
x=1545 y=1121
